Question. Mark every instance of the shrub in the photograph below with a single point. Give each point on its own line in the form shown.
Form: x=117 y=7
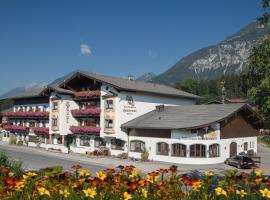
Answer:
x=20 y=143
x=144 y=155
x=12 y=139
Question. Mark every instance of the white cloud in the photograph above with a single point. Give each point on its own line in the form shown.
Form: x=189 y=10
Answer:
x=85 y=49
x=152 y=54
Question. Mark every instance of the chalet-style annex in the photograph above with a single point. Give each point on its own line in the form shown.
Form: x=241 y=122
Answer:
x=88 y=111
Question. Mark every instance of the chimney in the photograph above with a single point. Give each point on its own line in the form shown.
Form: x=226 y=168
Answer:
x=130 y=77
x=160 y=108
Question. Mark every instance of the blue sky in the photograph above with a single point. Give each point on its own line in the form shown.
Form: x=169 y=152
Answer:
x=43 y=40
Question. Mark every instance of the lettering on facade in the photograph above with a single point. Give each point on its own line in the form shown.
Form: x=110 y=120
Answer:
x=130 y=108
x=67 y=110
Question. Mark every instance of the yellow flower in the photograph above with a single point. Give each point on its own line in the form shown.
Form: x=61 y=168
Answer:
x=265 y=193
x=10 y=174
x=197 y=185
x=19 y=185
x=260 y=172
x=127 y=196
x=101 y=175
x=42 y=191
x=84 y=172
x=135 y=173
x=29 y=175
x=90 y=192
x=241 y=193
x=64 y=193
x=219 y=191
x=208 y=174
x=144 y=193
x=152 y=179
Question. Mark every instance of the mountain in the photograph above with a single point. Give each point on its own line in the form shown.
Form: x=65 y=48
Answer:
x=227 y=57
x=146 y=77
x=26 y=88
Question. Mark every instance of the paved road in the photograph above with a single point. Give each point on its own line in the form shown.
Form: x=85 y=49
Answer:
x=33 y=160
x=36 y=158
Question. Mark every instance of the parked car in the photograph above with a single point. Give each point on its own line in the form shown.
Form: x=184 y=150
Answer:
x=241 y=162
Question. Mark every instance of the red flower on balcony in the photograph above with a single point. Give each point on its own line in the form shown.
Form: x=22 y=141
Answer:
x=86 y=112
x=84 y=129
x=19 y=129
x=40 y=130
x=86 y=94
x=30 y=114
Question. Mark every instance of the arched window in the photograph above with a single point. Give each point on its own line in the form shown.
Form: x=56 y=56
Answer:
x=137 y=146
x=214 y=150
x=179 y=150
x=162 y=148
x=117 y=144
x=245 y=146
x=198 y=151
x=99 y=142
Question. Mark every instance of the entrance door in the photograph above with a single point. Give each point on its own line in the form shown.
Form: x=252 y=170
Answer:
x=233 y=149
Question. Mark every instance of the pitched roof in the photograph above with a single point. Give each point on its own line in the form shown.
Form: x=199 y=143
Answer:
x=39 y=92
x=185 y=117
x=134 y=85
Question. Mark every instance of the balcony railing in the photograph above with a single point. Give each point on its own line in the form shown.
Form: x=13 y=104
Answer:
x=18 y=129
x=85 y=129
x=40 y=130
x=29 y=114
x=87 y=112
x=86 y=95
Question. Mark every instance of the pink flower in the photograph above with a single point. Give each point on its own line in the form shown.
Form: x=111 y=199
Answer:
x=84 y=129
x=85 y=112
x=86 y=94
x=14 y=128
x=29 y=114
x=40 y=130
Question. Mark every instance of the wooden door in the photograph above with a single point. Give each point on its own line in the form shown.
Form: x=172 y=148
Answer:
x=233 y=149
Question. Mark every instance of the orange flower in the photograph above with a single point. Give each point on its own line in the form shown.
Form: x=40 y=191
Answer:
x=173 y=168
x=133 y=185
x=161 y=186
x=76 y=167
x=163 y=171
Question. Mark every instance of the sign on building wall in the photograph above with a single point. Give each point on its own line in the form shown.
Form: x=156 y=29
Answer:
x=130 y=107
x=67 y=110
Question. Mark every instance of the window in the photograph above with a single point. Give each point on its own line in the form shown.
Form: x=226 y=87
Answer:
x=44 y=124
x=44 y=108
x=162 y=148
x=108 y=123
x=109 y=104
x=54 y=122
x=245 y=146
x=214 y=150
x=198 y=151
x=32 y=124
x=252 y=144
x=179 y=150
x=55 y=106
x=59 y=140
x=85 y=141
x=117 y=144
x=99 y=142
x=137 y=146
x=30 y=109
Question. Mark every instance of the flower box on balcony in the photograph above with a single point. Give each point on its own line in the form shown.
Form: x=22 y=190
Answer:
x=29 y=114
x=86 y=112
x=85 y=129
x=19 y=129
x=40 y=130
x=86 y=95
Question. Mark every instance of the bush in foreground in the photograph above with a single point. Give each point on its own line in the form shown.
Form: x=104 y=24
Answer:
x=126 y=183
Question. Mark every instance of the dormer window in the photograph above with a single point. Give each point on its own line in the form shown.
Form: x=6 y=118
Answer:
x=55 y=105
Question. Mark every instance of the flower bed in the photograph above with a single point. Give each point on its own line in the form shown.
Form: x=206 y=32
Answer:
x=86 y=112
x=87 y=94
x=19 y=129
x=40 y=130
x=37 y=114
x=126 y=183
x=85 y=129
